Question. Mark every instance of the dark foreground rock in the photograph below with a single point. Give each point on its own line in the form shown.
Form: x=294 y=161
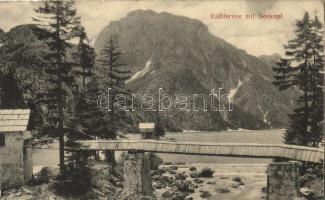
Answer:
x=206 y=173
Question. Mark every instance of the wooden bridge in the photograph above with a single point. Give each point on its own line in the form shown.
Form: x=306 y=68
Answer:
x=291 y=152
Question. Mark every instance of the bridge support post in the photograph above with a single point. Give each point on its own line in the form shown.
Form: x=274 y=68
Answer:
x=137 y=178
x=282 y=181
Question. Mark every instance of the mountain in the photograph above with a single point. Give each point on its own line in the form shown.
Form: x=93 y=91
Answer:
x=270 y=60
x=1 y=33
x=181 y=56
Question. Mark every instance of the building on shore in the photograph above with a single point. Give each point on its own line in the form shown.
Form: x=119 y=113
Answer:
x=16 y=165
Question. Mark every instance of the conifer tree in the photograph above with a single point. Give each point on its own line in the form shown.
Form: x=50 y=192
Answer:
x=301 y=69
x=85 y=57
x=76 y=177
x=58 y=23
x=113 y=75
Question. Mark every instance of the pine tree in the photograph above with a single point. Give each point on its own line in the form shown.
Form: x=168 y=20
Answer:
x=85 y=57
x=58 y=23
x=94 y=120
x=159 y=127
x=114 y=74
x=301 y=69
x=316 y=79
x=76 y=178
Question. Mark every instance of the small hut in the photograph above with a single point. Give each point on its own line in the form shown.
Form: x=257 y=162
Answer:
x=16 y=166
x=147 y=130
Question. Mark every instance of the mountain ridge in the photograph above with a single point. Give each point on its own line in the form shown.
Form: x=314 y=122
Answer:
x=181 y=47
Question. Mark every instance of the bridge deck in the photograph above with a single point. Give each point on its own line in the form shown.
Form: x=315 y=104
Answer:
x=219 y=149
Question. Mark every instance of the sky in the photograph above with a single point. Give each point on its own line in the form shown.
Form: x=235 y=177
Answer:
x=256 y=36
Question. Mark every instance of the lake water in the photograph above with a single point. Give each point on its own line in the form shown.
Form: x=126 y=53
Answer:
x=50 y=156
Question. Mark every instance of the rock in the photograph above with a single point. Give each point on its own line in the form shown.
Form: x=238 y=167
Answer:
x=18 y=194
x=157 y=177
x=167 y=163
x=241 y=183
x=222 y=190
x=167 y=195
x=177 y=195
x=205 y=194
x=157 y=185
x=184 y=186
x=206 y=172
x=155 y=161
x=180 y=177
x=306 y=191
x=264 y=190
x=45 y=175
x=120 y=184
x=237 y=179
x=194 y=174
x=180 y=163
x=192 y=168
x=26 y=190
x=188 y=198
x=224 y=177
x=198 y=181
x=211 y=182
x=174 y=167
x=158 y=172
x=235 y=185
x=172 y=172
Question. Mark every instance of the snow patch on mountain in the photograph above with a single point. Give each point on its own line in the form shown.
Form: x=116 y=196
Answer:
x=233 y=91
x=264 y=114
x=140 y=73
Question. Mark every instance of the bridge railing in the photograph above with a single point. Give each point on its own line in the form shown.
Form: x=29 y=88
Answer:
x=218 y=149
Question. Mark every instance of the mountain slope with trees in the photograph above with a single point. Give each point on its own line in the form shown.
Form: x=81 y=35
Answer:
x=180 y=55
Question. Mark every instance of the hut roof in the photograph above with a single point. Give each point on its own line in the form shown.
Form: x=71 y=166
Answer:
x=13 y=120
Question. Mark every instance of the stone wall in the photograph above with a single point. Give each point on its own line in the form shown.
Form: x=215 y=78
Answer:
x=137 y=174
x=14 y=160
x=282 y=181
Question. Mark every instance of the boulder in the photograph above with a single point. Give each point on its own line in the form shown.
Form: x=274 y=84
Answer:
x=264 y=189
x=205 y=194
x=167 y=195
x=157 y=185
x=198 y=181
x=237 y=179
x=206 y=172
x=235 y=185
x=177 y=195
x=184 y=186
x=222 y=190
x=194 y=174
x=180 y=176
x=192 y=168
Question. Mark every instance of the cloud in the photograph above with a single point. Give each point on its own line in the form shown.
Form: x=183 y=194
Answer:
x=260 y=6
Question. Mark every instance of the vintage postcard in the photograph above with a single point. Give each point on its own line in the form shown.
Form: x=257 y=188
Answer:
x=162 y=100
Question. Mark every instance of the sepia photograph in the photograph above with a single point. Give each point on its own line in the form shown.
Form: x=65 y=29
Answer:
x=162 y=99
